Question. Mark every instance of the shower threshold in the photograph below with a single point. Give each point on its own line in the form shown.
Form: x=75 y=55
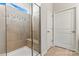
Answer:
x=24 y=51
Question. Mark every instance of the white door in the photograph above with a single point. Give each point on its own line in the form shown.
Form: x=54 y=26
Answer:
x=65 y=29
x=49 y=30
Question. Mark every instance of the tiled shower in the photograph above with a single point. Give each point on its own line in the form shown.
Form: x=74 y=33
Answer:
x=20 y=29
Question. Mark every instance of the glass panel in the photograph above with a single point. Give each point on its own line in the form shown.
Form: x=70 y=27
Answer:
x=2 y=30
x=36 y=30
x=18 y=29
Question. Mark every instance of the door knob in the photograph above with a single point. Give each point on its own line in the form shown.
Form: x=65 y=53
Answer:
x=73 y=31
x=48 y=30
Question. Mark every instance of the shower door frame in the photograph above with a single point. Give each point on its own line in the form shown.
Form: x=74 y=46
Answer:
x=6 y=29
x=39 y=28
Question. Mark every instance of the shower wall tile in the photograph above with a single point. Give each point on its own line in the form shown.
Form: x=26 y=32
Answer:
x=14 y=44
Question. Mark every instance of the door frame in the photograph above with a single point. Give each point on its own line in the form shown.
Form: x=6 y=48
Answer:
x=32 y=46
x=76 y=18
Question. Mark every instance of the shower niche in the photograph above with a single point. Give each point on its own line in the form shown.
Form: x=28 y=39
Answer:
x=20 y=29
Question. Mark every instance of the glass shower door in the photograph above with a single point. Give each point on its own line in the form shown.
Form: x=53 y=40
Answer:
x=2 y=30
x=18 y=29
x=36 y=21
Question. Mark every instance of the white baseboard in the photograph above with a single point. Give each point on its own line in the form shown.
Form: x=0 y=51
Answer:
x=46 y=50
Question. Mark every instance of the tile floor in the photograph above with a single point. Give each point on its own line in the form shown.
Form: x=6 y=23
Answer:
x=57 y=51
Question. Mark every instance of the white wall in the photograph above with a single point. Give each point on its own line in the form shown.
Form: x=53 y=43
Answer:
x=50 y=25
x=43 y=28
x=63 y=6
x=46 y=9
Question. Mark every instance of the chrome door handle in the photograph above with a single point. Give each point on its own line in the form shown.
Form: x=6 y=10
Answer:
x=48 y=31
x=73 y=31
